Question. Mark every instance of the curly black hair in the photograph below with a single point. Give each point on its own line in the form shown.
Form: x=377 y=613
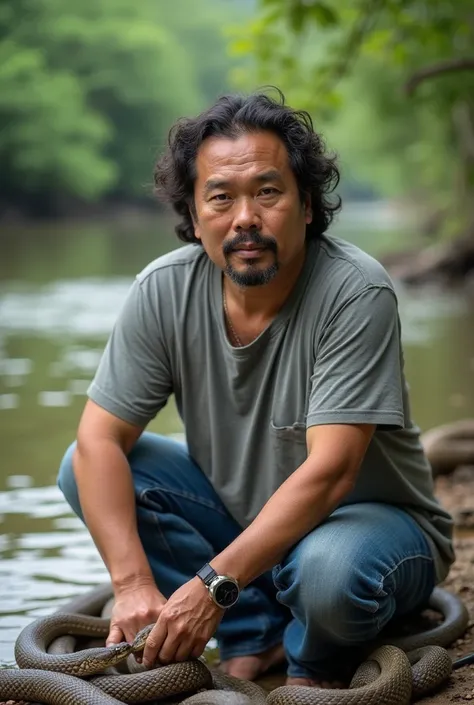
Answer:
x=315 y=171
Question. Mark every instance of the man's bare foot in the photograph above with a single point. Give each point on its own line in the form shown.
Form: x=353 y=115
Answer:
x=314 y=683
x=250 y=667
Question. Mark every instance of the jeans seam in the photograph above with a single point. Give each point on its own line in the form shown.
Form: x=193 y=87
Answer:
x=209 y=504
x=156 y=520
x=276 y=570
x=380 y=589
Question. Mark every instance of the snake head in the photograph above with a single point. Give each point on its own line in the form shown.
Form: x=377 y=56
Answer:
x=116 y=653
x=120 y=651
x=138 y=644
x=108 y=656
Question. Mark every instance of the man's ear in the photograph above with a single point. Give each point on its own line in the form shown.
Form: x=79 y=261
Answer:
x=192 y=213
x=197 y=229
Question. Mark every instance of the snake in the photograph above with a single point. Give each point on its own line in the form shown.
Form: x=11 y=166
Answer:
x=391 y=674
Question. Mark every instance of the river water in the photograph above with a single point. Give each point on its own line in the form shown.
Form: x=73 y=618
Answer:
x=60 y=290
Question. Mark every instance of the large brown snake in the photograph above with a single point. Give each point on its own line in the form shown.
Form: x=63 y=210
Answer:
x=385 y=678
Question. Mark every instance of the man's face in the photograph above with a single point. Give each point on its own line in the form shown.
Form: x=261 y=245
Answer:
x=249 y=214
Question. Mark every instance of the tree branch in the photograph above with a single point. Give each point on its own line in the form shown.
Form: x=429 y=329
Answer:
x=453 y=65
x=357 y=34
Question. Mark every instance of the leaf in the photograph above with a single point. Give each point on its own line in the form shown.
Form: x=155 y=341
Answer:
x=296 y=17
x=242 y=46
x=323 y=15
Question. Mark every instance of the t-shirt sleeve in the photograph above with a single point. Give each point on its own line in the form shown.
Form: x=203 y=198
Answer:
x=133 y=380
x=357 y=376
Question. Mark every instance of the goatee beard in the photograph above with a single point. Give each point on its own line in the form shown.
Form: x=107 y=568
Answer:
x=252 y=276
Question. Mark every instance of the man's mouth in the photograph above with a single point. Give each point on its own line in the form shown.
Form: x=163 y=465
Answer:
x=249 y=251
x=249 y=247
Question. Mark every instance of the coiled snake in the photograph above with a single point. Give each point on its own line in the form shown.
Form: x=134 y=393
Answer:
x=385 y=678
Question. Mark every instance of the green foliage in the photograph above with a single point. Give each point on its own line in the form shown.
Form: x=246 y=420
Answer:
x=88 y=90
x=349 y=62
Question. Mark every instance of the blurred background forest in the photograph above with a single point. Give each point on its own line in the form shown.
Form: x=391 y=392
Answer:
x=88 y=92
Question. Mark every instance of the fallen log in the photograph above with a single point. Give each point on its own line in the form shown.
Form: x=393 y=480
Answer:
x=449 y=446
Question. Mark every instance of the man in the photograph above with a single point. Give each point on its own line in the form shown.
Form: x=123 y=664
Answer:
x=299 y=518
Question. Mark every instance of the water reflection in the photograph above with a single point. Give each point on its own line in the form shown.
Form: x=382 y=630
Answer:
x=52 y=332
x=86 y=307
x=47 y=557
x=9 y=401
x=15 y=369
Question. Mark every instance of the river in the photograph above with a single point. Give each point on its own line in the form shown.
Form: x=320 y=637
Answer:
x=61 y=287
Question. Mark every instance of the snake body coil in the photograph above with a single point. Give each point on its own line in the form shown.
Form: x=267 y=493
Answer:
x=385 y=678
x=32 y=644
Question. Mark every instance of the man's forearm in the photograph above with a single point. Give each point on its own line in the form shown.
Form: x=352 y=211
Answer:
x=304 y=500
x=107 y=500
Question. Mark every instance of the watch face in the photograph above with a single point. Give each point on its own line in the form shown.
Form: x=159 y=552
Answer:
x=226 y=593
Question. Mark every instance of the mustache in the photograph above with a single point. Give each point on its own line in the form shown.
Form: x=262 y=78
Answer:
x=250 y=236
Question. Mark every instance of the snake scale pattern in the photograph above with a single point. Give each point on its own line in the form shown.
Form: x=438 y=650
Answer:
x=393 y=673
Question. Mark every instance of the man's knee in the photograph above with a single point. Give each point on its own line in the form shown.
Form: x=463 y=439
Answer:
x=66 y=480
x=328 y=592
x=150 y=451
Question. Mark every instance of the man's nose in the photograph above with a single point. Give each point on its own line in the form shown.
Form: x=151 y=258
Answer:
x=247 y=215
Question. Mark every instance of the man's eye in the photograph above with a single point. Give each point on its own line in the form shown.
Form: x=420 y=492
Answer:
x=269 y=191
x=220 y=197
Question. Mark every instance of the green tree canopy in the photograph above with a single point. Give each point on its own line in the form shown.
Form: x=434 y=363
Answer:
x=88 y=90
x=390 y=82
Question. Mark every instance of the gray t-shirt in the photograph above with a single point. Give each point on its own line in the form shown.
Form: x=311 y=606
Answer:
x=331 y=355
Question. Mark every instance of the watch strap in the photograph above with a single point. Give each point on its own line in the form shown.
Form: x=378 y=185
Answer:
x=207 y=574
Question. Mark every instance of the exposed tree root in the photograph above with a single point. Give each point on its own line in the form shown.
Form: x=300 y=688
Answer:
x=447 y=264
x=450 y=446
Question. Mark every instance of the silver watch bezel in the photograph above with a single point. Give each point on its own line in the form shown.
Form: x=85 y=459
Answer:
x=214 y=584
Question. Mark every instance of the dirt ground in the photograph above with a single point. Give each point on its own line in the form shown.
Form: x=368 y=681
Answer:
x=456 y=494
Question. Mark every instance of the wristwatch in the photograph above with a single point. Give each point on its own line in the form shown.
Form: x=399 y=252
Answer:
x=223 y=589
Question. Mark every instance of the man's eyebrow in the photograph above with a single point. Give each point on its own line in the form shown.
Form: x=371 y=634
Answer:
x=212 y=184
x=271 y=175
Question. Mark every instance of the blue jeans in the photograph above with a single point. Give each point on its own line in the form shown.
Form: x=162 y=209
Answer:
x=331 y=594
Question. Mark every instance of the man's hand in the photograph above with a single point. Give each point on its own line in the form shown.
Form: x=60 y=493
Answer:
x=134 y=608
x=185 y=625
